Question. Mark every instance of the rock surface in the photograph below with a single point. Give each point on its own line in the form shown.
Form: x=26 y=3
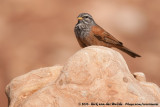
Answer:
x=95 y=74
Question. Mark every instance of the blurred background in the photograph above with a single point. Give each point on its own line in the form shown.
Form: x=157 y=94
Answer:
x=35 y=34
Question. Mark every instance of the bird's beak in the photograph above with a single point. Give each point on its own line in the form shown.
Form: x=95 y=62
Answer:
x=80 y=18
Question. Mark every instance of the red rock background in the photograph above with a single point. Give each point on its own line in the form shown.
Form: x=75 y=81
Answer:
x=35 y=34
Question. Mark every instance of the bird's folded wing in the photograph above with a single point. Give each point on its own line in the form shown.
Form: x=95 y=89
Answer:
x=104 y=36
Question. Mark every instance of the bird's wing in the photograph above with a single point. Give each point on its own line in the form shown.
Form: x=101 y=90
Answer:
x=104 y=36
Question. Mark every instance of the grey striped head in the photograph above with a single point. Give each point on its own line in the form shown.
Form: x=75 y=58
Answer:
x=85 y=18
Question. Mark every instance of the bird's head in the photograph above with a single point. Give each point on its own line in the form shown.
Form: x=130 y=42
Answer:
x=85 y=18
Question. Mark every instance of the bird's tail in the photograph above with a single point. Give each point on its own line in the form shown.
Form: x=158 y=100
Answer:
x=129 y=52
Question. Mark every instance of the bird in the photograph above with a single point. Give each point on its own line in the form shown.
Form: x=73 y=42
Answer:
x=89 y=33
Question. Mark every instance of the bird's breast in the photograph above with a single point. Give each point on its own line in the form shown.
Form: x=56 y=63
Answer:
x=84 y=34
x=82 y=30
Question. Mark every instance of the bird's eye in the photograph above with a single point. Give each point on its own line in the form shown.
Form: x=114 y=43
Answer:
x=86 y=17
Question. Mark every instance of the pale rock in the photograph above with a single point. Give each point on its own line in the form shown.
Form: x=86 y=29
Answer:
x=94 y=74
x=24 y=86
x=139 y=76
